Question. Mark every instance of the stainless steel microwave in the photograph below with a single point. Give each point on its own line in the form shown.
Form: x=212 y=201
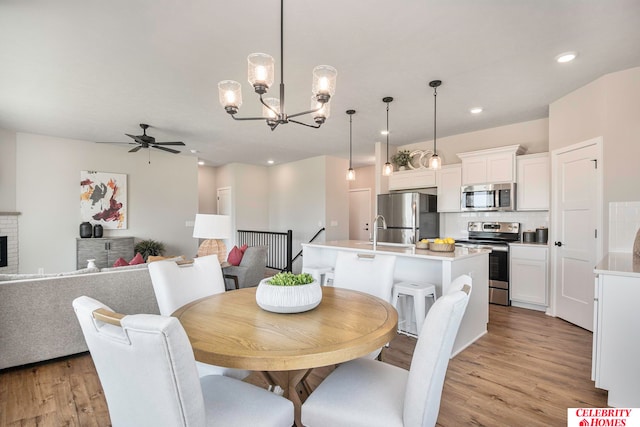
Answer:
x=488 y=197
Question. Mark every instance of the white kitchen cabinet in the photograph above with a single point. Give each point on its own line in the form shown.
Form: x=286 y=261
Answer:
x=449 y=181
x=529 y=274
x=616 y=336
x=490 y=166
x=411 y=179
x=533 y=182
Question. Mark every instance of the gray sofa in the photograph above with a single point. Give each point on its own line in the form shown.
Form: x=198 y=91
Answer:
x=37 y=321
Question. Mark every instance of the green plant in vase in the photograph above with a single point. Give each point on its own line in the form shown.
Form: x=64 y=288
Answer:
x=290 y=279
x=401 y=159
x=149 y=247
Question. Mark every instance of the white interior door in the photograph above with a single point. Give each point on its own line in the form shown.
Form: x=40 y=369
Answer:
x=359 y=213
x=577 y=213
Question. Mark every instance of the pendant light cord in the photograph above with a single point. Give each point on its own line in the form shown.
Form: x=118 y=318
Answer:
x=435 y=109
x=387 y=132
x=350 y=133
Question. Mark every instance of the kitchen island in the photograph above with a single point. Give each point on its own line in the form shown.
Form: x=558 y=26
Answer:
x=424 y=266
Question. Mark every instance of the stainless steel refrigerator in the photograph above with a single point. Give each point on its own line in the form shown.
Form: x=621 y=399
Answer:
x=409 y=217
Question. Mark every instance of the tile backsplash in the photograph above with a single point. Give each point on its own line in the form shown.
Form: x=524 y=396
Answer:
x=624 y=222
x=455 y=224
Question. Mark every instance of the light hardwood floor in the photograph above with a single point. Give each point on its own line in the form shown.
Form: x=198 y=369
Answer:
x=527 y=370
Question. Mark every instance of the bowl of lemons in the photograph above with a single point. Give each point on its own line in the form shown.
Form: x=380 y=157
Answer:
x=443 y=245
x=422 y=244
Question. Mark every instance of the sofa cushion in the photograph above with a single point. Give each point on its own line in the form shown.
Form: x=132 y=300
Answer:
x=120 y=262
x=138 y=259
x=236 y=254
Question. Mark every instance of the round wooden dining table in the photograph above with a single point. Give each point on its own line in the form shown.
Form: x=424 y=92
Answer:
x=231 y=330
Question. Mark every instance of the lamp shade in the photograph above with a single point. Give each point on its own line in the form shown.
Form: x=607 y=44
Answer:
x=212 y=226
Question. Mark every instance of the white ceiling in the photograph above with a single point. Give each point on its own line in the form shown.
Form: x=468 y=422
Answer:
x=93 y=70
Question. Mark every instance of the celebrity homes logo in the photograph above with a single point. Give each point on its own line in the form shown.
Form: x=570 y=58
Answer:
x=603 y=417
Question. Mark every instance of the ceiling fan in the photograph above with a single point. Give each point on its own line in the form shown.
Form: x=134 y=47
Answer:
x=146 y=141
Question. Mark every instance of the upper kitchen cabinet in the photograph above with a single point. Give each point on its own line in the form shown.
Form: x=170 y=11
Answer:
x=533 y=182
x=411 y=179
x=449 y=181
x=490 y=166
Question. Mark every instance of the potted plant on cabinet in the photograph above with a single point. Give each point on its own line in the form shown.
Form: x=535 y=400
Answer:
x=289 y=293
x=401 y=159
x=149 y=247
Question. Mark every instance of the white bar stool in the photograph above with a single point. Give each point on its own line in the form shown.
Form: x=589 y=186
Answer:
x=418 y=291
x=318 y=272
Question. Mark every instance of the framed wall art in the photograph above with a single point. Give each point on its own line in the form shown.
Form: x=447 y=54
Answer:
x=103 y=199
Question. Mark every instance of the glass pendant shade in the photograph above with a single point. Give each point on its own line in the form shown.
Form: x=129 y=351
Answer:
x=435 y=162
x=387 y=169
x=260 y=70
x=324 y=80
x=230 y=94
x=323 y=112
x=351 y=174
x=267 y=113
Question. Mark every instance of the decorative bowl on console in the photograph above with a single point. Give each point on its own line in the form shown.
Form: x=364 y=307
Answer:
x=289 y=293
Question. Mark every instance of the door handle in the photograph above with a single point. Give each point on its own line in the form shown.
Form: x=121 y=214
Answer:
x=558 y=243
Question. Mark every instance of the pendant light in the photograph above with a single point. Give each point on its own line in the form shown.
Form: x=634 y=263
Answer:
x=387 y=169
x=351 y=174
x=435 y=162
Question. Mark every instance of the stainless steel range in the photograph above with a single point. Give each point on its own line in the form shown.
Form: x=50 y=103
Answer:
x=495 y=236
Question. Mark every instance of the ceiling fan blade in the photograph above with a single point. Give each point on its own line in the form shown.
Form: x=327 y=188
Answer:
x=165 y=149
x=170 y=143
x=137 y=138
x=134 y=149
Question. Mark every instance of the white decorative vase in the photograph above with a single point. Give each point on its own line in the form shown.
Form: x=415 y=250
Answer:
x=401 y=168
x=288 y=299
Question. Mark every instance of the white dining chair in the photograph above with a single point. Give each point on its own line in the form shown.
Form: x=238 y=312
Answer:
x=176 y=285
x=369 y=273
x=146 y=366
x=371 y=393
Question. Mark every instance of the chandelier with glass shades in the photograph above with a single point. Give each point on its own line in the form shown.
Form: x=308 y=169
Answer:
x=261 y=76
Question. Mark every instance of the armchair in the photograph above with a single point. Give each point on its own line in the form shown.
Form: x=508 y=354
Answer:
x=249 y=272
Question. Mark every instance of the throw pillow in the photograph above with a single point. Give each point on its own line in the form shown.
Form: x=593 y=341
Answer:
x=120 y=262
x=138 y=259
x=235 y=256
x=243 y=248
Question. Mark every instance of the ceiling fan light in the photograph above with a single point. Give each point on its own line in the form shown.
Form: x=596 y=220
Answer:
x=230 y=95
x=261 y=71
x=324 y=82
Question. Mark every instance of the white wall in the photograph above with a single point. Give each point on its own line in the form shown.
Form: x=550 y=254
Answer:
x=365 y=178
x=7 y=171
x=608 y=107
x=207 y=197
x=534 y=135
x=337 y=198
x=251 y=197
x=47 y=194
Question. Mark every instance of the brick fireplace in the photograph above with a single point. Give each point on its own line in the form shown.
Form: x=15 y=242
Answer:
x=9 y=242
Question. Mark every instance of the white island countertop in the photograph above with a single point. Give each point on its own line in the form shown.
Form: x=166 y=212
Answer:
x=400 y=250
x=619 y=264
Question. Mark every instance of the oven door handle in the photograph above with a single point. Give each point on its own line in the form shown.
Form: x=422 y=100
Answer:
x=495 y=248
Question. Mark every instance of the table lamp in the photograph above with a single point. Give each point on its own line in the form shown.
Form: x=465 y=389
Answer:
x=213 y=228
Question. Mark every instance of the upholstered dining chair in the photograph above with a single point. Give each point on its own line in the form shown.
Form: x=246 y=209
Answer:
x=146 y=367
x=369 y=393
x=369 y=273
x=176 y=285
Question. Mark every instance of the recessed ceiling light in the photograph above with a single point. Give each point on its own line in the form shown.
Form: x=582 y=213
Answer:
x=384 y=132
x=201 y=162
x=270 y=162
x=476 y=110
x=194 y=151
x=566 y=57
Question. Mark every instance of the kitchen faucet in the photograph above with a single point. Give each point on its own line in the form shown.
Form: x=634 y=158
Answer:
x=375 y=229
